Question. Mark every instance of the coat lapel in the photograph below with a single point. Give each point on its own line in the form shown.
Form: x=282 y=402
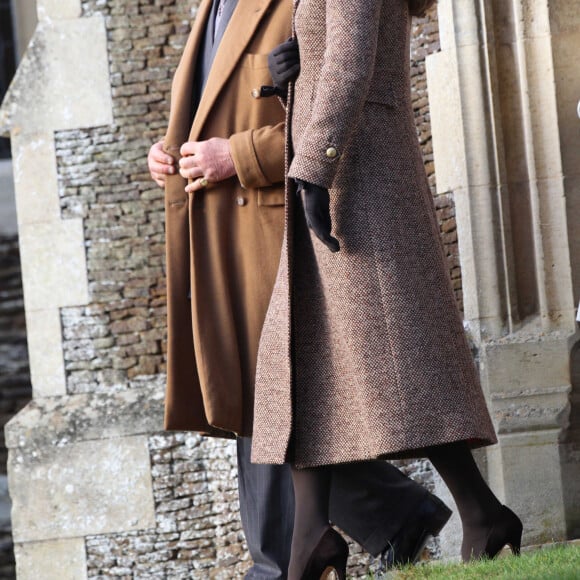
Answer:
x=182 y=89
x=243 y=24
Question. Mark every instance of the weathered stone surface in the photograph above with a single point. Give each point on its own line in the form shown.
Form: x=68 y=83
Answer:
x=57 y=422
x=52 y=252
x=53 y=88
x=45 y=352
x=526 y=471
x=76 y=489
x=60 y=9
x=54 y=560
x=37 y=199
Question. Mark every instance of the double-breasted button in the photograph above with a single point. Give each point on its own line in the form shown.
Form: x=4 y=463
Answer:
x=331 y=152
x=240 y=200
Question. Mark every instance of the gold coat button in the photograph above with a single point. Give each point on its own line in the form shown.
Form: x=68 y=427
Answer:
x=331 y=152
x=256 y=93
x=240 y=200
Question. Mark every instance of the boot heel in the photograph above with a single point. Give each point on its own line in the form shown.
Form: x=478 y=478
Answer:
x=328 y=559
x=507 y=532
x=336 y=570
x=515 y=534
x=333 y=574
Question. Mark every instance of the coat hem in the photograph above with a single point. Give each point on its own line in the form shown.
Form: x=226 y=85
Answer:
x=386 y=454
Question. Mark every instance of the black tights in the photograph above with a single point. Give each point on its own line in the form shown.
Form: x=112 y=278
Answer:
x=477 y=505
x=311 y=497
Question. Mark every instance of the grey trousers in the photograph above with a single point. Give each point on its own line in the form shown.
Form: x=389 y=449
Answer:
x=369 y=500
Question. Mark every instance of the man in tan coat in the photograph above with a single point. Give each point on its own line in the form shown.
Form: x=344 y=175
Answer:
x=221 y=163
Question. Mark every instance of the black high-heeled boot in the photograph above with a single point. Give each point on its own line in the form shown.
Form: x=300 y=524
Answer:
x=488 y=525
x=505 y=531
x=329 y=555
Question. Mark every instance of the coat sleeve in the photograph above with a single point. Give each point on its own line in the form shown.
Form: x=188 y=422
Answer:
x=258 y=155
x=344 y=82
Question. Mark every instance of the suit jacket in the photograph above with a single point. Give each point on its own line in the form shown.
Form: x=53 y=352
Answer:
x=223 y=243
x=363 y=352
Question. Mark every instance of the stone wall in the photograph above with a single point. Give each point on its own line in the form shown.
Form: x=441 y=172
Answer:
x=197 y=532
x=114 y=346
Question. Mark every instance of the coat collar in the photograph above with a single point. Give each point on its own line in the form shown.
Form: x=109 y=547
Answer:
x=242 y=26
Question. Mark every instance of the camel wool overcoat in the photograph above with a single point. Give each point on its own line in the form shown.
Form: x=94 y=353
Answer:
x=363 y=352
x=223 y=243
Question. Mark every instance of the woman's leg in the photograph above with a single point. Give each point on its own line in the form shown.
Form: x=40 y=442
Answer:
x=311 y=495
x=487 y=524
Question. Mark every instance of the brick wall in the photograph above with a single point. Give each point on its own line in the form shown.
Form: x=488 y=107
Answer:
x=425 y=41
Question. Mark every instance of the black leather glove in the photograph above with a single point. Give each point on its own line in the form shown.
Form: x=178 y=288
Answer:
x=284 y=64
x=316 y=203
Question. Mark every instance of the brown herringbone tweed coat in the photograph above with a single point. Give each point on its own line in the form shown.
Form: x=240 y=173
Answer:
x=363 y=352
x=223 y=243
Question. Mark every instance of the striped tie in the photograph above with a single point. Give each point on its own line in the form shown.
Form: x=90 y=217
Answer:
x=218 y=16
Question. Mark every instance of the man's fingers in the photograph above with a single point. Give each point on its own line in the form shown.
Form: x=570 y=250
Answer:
x=189 y=148
x=191 y=173
x=196 y=185
x=161 y=168
x=158 y=178
x=161 y=157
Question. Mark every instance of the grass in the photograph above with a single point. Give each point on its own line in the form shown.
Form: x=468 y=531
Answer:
x=556 y=563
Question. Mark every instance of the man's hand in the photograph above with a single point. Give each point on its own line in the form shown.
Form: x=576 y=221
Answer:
x=206 y=162
x=316 y=203
x=160 y=164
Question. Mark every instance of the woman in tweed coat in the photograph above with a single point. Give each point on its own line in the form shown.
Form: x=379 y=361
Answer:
x=363 y=353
